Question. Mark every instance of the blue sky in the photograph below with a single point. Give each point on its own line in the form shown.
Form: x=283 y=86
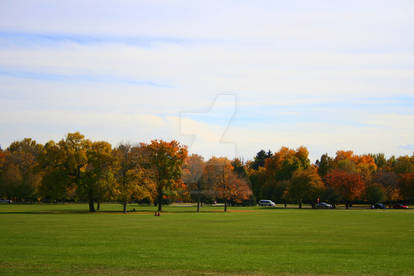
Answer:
x=225 y=77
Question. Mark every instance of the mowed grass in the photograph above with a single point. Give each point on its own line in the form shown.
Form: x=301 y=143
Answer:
x=65 y=239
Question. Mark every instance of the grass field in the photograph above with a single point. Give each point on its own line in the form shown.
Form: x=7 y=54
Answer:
x=65 y=239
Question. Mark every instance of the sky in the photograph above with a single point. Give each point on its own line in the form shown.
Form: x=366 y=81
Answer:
x=226 y=78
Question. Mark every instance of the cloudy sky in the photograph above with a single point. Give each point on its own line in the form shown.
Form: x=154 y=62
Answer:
x=225 y=77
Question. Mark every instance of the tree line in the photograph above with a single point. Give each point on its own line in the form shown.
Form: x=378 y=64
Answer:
x=288 y=176
x=159 y=172
x=78 y=169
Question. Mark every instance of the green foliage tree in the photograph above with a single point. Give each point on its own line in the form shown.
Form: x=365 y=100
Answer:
x=305 y=185
x=374 y=193
x=325 y=164
x=259 y=159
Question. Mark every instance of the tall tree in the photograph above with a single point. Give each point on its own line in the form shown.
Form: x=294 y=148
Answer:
x=98 y=176
x=406 y=184
x=132 y=181
x=374 y=193
x=389 y=181
x=56 y=184
x=348 y=185
x=166 y=159
x=218 y=172
x=192 y=177
x=257 y=179
x=404 y=164
x=325 y=164
x=380 y=160
x=259 y=159
x=75 y=150
x=305 y=185
x=280 y=168
x=22 y=177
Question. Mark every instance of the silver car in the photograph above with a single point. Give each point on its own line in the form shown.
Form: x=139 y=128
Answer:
x=266 y=202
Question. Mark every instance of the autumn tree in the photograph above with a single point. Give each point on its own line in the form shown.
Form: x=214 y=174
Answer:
x=389 y=182
x=67 y=163
x=374 y=193
x=21 y=179
x=56 y=184
x=238 y=190
x=406 y=184
x=75 y=161
x=349 y=185
x=305 y=185
x=259 y=159
x=280 y=168
x=98 y=176
x=404 y=164
x=166 y=160
x=218 y=173
x=257 y=180
x=325 y=164
x=228 y=185
x=132 y=179
x=192 y=177
x=380 y=160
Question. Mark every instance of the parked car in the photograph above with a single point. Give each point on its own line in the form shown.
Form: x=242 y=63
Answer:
x=400 y=206
x=378 y=206
x=266 y=202
x=324 y=205
x=5 y=201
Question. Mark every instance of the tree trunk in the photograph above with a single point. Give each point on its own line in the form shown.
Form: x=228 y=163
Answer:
x=125 y=205
x=159 y=202
x=225 y=206
x=91 y=205
x=198 y=204
x=91 y=202
x=98 y=205
x=346 y=205
x=300 y=204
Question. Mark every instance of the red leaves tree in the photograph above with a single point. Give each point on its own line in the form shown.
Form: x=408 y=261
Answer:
x=348 y=185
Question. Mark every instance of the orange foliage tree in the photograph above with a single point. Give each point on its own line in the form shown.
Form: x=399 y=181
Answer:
x=228 y=186
x=349 y=185
x=166 y=160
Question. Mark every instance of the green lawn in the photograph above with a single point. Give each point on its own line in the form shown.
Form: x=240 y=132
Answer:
x=64 y=239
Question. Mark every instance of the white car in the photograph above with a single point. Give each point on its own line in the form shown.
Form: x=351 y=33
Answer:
x=5 y=201
x=265 y=202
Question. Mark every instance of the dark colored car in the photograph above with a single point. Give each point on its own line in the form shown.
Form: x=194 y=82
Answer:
x=400 y=206
x=378 y=206
x=324 y=205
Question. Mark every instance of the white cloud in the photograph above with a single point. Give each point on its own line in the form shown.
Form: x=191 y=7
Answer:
x=276 y=57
